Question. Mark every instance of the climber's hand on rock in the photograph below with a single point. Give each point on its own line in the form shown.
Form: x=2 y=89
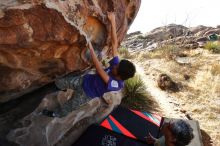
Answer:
x=90 y=46
x=111 y=16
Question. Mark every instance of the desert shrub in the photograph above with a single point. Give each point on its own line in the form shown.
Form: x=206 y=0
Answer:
x=135 y=93
x=124 y=53
x=141 y=37
x=213 y=46
x=105 y=62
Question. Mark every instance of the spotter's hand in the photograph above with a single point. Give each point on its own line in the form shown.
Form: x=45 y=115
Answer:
x=150 y=139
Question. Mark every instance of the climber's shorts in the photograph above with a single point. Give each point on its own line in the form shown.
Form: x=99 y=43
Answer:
x=79 y=97
x=69 y=81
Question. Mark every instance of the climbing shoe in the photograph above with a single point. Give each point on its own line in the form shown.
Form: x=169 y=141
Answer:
x=48 y=113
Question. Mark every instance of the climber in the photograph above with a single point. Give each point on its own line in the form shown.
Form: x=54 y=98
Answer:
x=176 y=133
x=90 y=86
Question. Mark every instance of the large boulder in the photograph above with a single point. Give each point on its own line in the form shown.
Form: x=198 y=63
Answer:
x=39 y=130
x=167 y=32
x=164 y=82
x=204 y=31
x=43 y=39
x=172 y=34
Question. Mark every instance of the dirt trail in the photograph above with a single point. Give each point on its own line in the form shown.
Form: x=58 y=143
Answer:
x=168 y=106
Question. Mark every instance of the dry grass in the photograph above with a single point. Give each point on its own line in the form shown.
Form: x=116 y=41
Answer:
x=215 y=69
x=200 y=95
x=213 y=47
x=206 y=102
x=167 y=51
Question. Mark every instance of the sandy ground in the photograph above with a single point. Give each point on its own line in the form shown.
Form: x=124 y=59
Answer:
x=168 y=107
x=199 y=98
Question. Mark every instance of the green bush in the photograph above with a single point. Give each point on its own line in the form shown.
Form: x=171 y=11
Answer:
x=105 y=62
x=135 y=93
x=213 y=46
x=123 y=52
x=141 y=37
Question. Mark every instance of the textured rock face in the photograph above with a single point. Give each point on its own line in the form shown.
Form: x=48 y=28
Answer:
x=167 y=32
x=172 y=34
x=39 y=130
x=40 y=40
x=164 y=82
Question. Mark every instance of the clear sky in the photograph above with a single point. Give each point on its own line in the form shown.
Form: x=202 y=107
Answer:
x=156 y=13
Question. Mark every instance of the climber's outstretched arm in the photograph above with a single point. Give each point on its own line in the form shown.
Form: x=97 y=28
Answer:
x=111 y=17
x=98 y=65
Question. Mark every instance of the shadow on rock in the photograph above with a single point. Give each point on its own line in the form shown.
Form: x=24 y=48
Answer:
x=12 y=111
